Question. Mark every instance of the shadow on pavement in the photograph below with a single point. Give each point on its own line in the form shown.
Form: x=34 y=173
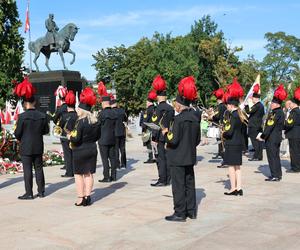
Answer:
x=100 y=193
x=53 y=187
x=129 y=168
x=11 y=181
x=263 y=169
x=200 y=194
x=226 y=183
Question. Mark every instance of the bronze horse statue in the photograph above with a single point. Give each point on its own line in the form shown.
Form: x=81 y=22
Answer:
x=63 y=38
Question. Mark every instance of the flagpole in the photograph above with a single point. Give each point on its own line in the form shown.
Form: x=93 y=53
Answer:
x=29 y=36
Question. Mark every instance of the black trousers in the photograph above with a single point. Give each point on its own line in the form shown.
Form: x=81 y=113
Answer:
x=37 y=161
x=163 y=169
x=273 y=150
x=120 y=148
x=183 y=189
x=68 y=156
x=108 y=157
x=295 y=154
x=220 y=148
x=149 y=147
x=258 y=147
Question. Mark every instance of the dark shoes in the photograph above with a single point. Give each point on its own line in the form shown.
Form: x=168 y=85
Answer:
x=176 y=218
x=158 y=184
x=192 y=216
x=63 y=167
x=86 y=201
x=113 y=178
x=254 y=159
x=105 y=180
x=222 y=166
x=273 y=179
x=235 y=192
x=41 y=195
x=150 y=161
x=292 y=171
x=67 y=176
x=217 y=157
x=26 y=197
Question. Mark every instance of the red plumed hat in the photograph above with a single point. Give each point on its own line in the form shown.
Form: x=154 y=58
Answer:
x=152 y=95
x=70 y=98
x=219 y=93
x=297 y=96
x=235 y=90
x=159 y=84
x=102 y=89
x=280 y=94
x=225 y=97
x=61 y=92
x=256 y=90
x=87 y=99
x=25 y=90
x=187 y=91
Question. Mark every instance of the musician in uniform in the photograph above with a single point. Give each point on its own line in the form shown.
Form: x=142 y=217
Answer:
x=182 y=138
x=292 y=132
x=218 y=119
x=30 y=128
x=232 y=133
x=256 y=114
x=163 y=116
x=272 y=133
x=107 y=119
x=120 y=134
x=61 y=108
x=147 y=118
x=83 y=142
x=67 y=123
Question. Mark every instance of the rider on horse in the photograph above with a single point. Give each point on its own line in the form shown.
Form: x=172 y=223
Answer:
x=51 y=32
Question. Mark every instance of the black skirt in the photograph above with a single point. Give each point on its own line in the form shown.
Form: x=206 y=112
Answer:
x=85 y=158
x=233 y=155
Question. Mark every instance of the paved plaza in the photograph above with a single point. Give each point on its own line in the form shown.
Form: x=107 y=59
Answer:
x=129 y=214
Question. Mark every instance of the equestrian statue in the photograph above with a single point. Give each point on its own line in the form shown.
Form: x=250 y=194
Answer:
x=55 y=41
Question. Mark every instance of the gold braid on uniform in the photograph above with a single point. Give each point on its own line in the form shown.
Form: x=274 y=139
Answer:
x=243 y=116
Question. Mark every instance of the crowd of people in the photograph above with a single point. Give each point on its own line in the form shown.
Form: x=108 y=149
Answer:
x=171 y=134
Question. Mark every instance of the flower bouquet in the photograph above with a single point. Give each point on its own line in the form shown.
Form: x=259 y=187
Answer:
x=8 y=167
x=54 y=157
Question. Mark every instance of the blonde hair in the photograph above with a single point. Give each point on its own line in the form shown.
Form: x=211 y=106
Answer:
x=92 y=119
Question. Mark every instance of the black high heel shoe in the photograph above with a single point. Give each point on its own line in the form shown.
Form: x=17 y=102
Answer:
x=82 y=203
x=235 y=192
x=240 y=192
x=88 y=201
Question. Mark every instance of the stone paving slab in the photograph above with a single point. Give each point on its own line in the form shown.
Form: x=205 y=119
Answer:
x=129 y=214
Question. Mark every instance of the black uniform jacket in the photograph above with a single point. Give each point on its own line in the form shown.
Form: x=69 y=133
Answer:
x=197 y=112
x=67 y=121
x=58 y=113
x=147 y=116
x=292 y=125
x=85 y=132
x=273 y=126
x=163 y=115
x=256 y=114
x=233 y=129
x=31 y=126
x=107 y=119
x=182 y=139
x=218 y=117
x=121 y=118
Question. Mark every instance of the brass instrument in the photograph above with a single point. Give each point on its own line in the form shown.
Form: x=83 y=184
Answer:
x=57 y=130
x=72 y=133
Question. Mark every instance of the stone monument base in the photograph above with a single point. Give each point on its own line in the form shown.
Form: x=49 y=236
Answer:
x=47 y=82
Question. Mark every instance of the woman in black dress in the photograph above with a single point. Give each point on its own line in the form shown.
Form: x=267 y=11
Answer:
x=232 y=133
x=83 y=142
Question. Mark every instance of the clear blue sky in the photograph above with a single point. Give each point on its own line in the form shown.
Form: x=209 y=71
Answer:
x=111 y=23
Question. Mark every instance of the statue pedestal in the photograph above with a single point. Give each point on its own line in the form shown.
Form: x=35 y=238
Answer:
x=47 y=82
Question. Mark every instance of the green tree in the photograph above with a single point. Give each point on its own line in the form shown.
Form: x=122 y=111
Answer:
x=283 y=56
x=11 y=49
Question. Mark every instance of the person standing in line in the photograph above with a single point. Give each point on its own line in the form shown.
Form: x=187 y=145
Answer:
x=232 y=133
x=182 y=138
x=292 y=132
x=67 y=123
x=30 y=128
x=256 y=114
x=147 y=118
x=120 y=133
x=107 y=119
x=164 y=114
x=83 y=143
x=272 y=134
